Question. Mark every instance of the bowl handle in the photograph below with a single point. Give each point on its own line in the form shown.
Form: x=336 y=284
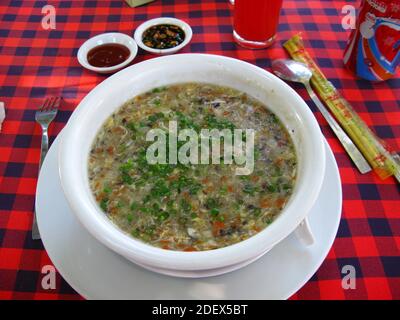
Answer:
x=304 y=234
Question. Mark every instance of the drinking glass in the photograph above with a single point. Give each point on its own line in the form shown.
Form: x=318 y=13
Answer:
x=255 y=22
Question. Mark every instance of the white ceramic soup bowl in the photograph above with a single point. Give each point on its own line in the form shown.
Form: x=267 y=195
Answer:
x=109 y=95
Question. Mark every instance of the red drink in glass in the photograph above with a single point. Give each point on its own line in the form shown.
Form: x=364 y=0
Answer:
x=255 y=22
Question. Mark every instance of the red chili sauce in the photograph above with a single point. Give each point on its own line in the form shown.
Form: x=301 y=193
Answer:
x=108 y=55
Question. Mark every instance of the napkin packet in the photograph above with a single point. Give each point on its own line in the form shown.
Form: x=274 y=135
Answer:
x=2 y=113
x=137 y=3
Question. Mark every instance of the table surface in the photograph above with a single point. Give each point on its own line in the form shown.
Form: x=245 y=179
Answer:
x=35 y=63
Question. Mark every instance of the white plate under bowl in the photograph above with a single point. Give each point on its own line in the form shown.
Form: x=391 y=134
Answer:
x=96 y=272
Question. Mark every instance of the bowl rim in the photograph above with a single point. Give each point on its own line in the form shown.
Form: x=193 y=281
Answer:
x=105 y=37
x=163 y=20
x=94 y=219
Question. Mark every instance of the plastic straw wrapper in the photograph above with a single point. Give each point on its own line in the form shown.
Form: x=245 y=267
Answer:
x=2 y=114
x=384 y=163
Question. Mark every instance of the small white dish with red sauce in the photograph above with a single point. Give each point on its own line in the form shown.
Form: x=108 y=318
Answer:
x=177 y=34
x=107 y=52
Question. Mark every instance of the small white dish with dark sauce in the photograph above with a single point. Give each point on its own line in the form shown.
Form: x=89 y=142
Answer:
x=163 y=35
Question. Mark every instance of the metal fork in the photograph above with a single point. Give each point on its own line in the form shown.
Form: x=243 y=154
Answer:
x=44 y=116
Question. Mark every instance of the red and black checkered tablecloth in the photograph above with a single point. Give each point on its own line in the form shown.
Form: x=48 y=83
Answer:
x=35 y=63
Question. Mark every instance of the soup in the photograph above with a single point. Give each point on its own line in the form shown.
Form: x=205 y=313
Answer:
x=191 y=207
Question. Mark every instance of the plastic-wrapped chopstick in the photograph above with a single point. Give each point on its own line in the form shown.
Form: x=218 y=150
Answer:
x=374 y=150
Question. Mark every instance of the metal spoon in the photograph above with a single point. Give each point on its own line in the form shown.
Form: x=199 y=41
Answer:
x=291 y=70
